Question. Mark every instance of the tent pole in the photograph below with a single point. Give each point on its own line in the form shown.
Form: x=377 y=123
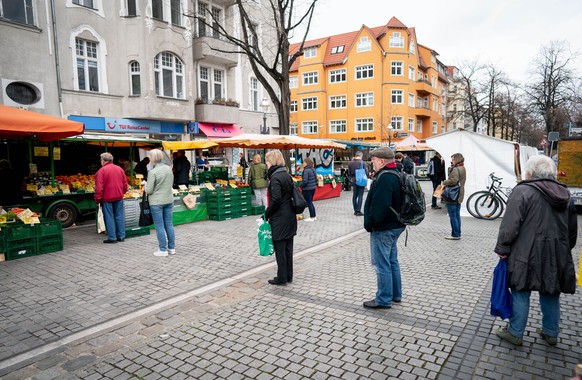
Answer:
x=52 y=159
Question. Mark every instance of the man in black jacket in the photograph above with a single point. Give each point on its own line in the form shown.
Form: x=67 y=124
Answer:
x=383 y=202
x=436 y=172
x=181 y=169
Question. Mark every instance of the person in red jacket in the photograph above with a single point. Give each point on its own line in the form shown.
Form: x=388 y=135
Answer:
x=110 y=185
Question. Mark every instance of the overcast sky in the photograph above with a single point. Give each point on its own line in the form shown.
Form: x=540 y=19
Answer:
x=507 y=33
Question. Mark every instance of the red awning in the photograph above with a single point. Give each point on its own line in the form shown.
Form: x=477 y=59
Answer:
x=219 y=130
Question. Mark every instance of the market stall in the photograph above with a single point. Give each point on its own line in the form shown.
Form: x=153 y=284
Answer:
x=419 y=151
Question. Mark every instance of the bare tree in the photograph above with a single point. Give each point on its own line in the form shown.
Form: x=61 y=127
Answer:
x=269 y=58
x=552 y=91
x=474 y=91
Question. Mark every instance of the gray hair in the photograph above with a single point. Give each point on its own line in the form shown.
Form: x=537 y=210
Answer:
x=107 y=157
x=359 y=153
x=155 y=155
x=541 y=167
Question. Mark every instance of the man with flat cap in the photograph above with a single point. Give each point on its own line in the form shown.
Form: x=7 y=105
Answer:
x=384 y=228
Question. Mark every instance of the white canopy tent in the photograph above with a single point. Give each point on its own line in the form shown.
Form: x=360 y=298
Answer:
x=483 y=155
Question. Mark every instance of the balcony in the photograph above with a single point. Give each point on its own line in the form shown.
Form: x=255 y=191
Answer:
x=217 y=113
x=201 y=49
x=424 y=87
x=422 y=112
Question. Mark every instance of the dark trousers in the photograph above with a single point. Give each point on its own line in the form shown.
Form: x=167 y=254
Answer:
x=284 y=256
x=357 y=196
x=435 y=183
x=308 y=195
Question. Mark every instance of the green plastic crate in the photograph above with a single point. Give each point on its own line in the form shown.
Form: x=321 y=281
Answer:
x=214 y=208
x=194 y=215
x=48 y=245
x=136 y=231
x=258 y=210
x=19 y=232
x=19 y=249
x=225 y=216
x=49 y=227
x=220 y=198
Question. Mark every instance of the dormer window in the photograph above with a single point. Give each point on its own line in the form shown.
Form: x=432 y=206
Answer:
x=309 y=52
x=337 y=49
x=396 y=40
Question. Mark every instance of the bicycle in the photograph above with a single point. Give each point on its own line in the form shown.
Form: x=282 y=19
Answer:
x=489 y=204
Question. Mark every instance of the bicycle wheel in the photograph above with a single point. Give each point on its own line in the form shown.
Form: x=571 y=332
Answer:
x=489 y=206
x=471 y=201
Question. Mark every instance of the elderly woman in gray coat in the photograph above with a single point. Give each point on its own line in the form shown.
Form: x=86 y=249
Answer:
x=536 y=236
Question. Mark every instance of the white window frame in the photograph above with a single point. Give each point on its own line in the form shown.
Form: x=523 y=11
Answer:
x=397 y=97
x=293 y=81
x=89 y=60
x=310 y=78
x=364 y=45
x=396 y=40
x=309 y=104
x=253 y=94
x=337 y=76
x=177 y=68
x=134 y=75
x=411 y=73
x=293 y=106
x=309 y=127
x=338 y=126
x=364 y=99
x=26 y=11
x=310 y=52
x=205 y=11
x=338 y=102
x=411 y=125
x=397 y=122
x=411 y=100
x=418 y=126
x=412 y=47
x=435 y=127
x=364 y=72
x=365 y=124
x=397 y=68
x=293 y=129
x=337 y=49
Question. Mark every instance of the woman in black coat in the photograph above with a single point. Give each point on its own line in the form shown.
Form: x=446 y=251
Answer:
x=280 y=215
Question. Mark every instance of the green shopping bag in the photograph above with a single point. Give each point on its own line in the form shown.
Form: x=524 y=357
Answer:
x=265 y=239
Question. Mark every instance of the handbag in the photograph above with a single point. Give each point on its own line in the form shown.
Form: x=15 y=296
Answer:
x=297 y=200
x=451 y=193
x=145 y=214
x=361 y=177
x=501 y=302
x=438 y=192
x=265 y=236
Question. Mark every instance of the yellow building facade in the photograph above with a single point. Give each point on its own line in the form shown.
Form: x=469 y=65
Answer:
x=375 y=85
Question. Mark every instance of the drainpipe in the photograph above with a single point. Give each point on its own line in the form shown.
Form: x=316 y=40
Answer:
x=57 y=62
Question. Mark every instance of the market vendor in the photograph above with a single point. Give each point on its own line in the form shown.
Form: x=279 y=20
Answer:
x=201 y=163
x=10 y=191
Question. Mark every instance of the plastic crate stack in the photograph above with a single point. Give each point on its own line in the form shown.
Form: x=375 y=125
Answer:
x=229 y=204
x=23 y=240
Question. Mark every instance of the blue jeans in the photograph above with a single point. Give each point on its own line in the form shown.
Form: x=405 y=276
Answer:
x=550 y=305
x=114 y=219
x=162 y=216
x=384 y=253
x=357 y=196
x=308 y=195
x=455 y=217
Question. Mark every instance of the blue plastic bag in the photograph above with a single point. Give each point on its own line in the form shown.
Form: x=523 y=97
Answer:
x=500 y=294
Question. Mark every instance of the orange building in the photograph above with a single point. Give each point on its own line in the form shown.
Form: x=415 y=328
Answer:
x=376 y=84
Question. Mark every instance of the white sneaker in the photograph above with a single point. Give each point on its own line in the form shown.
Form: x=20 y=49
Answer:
x=160 y=253
x=171 y=251
x=309 y=220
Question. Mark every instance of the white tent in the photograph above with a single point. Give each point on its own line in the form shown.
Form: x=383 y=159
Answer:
x=483 y=155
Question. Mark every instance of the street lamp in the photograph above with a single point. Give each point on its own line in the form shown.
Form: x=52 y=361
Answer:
x=390 y=128
x=265 y=108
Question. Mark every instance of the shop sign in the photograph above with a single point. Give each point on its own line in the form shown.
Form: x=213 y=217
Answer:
x=41 y=151
x=132 y=125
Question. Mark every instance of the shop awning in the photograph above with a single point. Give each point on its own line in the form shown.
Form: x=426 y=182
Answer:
x=115 y=141
x=16 y=123
x=248 y=140
x=188 y=145
x=216 y=130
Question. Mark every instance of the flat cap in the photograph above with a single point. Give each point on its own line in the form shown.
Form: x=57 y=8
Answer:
x=383 y=152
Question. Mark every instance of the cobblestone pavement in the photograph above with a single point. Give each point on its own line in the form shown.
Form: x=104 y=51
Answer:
x=207 y=314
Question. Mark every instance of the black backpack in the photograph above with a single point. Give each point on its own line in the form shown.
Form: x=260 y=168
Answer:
x=413 y=203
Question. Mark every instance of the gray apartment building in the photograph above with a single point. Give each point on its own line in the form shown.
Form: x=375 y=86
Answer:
x=138 y=66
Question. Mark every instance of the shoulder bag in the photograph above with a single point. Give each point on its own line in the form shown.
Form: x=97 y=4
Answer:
x=145 y=214
x=451 y=193
x=361 y=177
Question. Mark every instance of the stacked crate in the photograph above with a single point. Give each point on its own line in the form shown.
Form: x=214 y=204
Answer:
x=49 y=236
x=229 y=204
x=18 y=240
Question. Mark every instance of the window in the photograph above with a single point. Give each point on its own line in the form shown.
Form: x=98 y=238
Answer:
x=366 y=71
x=309 y=52
x=397 y=68
x=411 y=125
x=411 y=47
x=87 y=65
x=364 y=45
x=338 y=126
x=397 y=122
x=365 y=125
x=254 y=94
x=218 y=82
x=365 y=99
x=293 y=106
x=169 y=75
x=201 y=18
x=209 y=18
x=293 y=82
x=339 y=101
x=131 y=8
x=17 y=10
x=425 y=102
x=397 y=97
x=204 y=83
x=434 y=127
x=411 y=73
x=411 y=100
x=23 y=93
x=336 y=76
x=293 y=129
x=216 y=21
x=337 y=49
x=419 y=126
x=135 y=78
x=84 y=3
x=309 y=104
x=309 y=127
x=158 y=9
x=176 y=12
x=310 y=78
x=396 y=40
